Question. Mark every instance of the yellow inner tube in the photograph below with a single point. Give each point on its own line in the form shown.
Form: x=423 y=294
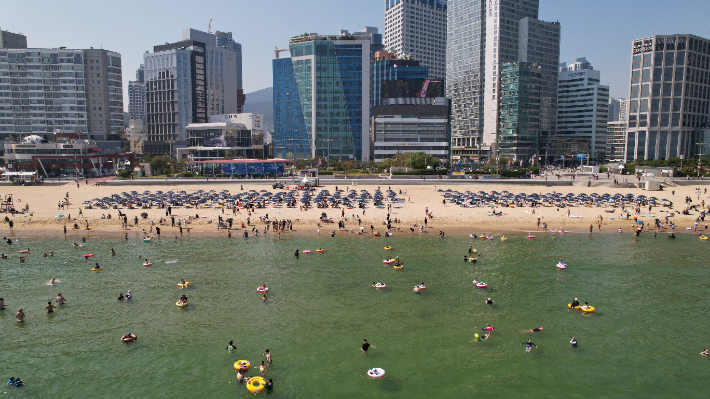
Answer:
x=242 y=365
x=95 y=269
x=399 y=267
x=256 y=384
x=388 y=247
x=181 y=285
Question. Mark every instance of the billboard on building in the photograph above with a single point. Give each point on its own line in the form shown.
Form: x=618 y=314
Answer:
x=410 y=88
x=253 y=168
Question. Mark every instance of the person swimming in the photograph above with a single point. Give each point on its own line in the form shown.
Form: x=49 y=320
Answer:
x=489 y=301
x=488 y=328
x=120 y=296
x=705 y=352
x=585 y=306
x=128 y=296
x=231 y=347
x=575 y=303
x=573 y=341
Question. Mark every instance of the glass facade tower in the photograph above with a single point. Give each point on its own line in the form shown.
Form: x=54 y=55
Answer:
x=332 y=77
x=393 y=70
x=520 y=110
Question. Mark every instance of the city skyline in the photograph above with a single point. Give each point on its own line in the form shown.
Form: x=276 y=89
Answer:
x=601 y=31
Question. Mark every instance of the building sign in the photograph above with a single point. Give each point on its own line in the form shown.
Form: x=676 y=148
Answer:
x=410 y=88
x=577 y=74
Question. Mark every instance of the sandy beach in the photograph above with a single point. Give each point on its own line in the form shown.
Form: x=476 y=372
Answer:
x=43 y=217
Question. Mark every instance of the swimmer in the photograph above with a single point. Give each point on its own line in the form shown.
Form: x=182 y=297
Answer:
x=262 y=368
x=705 y=352
x=128 y=296
x=475 y=280
x=585 y=306
x=575 y=303
x=263 y=298
x=365 y=346
x=50 y=307
x=486 y=336
x=11 y=382
x=182 y=281
x=129 y=337
x=20 y=315
x=537 y=329
x=489 y=301
x=269 y=385
x=573 y=341
x=240 y=375
x=52 y=281
x=488 y=328
x=3 y=256
x=113 y=252
x=296 y=254
x=528 y=345
x=231 y=347
x=44 y=255
x=51 y=253
x=120 y=296
x=2 y=303
x=60 y=299
x=267 y=355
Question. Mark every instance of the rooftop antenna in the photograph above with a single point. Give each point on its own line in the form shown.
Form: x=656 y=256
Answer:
x=209 y=28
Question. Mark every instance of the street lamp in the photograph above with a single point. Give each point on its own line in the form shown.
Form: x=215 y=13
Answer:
x=700 y=154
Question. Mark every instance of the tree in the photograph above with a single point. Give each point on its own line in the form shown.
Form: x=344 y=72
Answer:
x=159 y=163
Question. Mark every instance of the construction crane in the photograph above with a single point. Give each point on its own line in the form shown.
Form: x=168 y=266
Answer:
x=277 y=51
x=209 y=28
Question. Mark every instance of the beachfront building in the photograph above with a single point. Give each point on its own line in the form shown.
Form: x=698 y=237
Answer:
x=520 y=110
x=418 y=28
x=615 y=140
x=228 y=136
x=583 y=108
x=668 y=96
x=186 y=82
x=12 y=40
x=67 y=154
x=618 y=109
x=482 y=36
x=389 y=73
x=43 y=91
x=401 y=129
x=136 y=96
x=322 y=97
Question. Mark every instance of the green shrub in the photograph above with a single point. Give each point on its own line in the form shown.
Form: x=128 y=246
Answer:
x=125 y=173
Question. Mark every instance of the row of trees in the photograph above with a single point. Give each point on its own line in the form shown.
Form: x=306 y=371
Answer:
x=417 y=161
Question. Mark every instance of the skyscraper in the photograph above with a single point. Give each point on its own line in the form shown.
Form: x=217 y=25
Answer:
x=136 y=96
x=384 y=69
x=668 y=96
x=519 y=116
x=72 y=91
x=328 y=113
x=224 y=39
x=584 y=109
x=618 y=109
x=482 y=36
x=12 y=40
x=418 y=28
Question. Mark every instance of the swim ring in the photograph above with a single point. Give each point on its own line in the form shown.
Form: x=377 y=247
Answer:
x=87 y=228
x=377 y=234
x=181 y=305
x=380 y=286
x=589 y=309
x=472 y=260
x=562 y=266
x=376 y=372
x=256 y=384
x=569 y=305
x=388 y=248
x=481 y=285
x=703 y=237
x=421 y=286
x=95 y=269
x=400 y=267
x=147 y=264
x=320 y=250
x=306 y=251
x=504 y=238
x=242 y=365
x=26 y=251
x=388 y=261
x=531 y=236
x=262 y=290
x=181 y=285
x=130 y=338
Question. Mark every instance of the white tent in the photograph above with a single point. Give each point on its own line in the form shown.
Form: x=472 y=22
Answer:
x=305 y=180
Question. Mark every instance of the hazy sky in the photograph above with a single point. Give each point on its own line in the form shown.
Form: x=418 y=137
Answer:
x=601 y=30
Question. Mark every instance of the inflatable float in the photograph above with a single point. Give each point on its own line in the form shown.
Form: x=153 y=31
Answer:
x=181 y=285
x=472 y=260
x=306 y=251
x=256 y=384
x=400 y=267
x=589 y=309
x=376 y=372
x=242 y=365
x=562 y=266
x=420 y=286
x=531 y=236
x=481 y=285
x=388 y=261
x=387 y=248
x=380 y=286
x=85 y=255
x=182 y=305
x=147 y=264
x=25 y=251
x=504 y=238
x=129 y=338
x=703 y=237
x=320 y=250
x=95 y=269
x=146 y=240
x=262 y=289
x=377 y=234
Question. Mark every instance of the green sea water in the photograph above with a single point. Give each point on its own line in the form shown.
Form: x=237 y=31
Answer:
x=651 y=295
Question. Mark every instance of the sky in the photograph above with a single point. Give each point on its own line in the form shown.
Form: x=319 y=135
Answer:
x=601 y=30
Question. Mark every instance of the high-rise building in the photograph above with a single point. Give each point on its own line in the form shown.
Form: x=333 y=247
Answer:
x=418 y=28
x=539 y=43
x=322 y=97
x=615 y=139
x=668 y=96
x=136 y=96
x=482 y=36
x=519 y=115
x=62 y=90
x=12 y=40
x=224 y=39
x=578 y=65
x=391 y=70
x=618 y=109
x=583 y=109
x=186 y=82
x=375 y=39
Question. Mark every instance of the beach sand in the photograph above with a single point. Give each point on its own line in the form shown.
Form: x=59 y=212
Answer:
x=42 y=218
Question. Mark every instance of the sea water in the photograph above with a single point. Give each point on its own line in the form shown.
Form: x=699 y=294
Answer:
x=643 y=341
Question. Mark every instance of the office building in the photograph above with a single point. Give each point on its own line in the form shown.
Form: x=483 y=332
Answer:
x=615 y=139
x=376 y=43
x=322 y=97
x=186 y=82
x=402 y=129
x=539 y=43
x=520 y=110
x=226 y=136
x=224 y=39
x=618 y=109
x=418 y=28
x=583 y=109
x=12 y=40
x=387 y=74
x=578 y=65
x=136 y=96
x=62 y=90
x=668 y=96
